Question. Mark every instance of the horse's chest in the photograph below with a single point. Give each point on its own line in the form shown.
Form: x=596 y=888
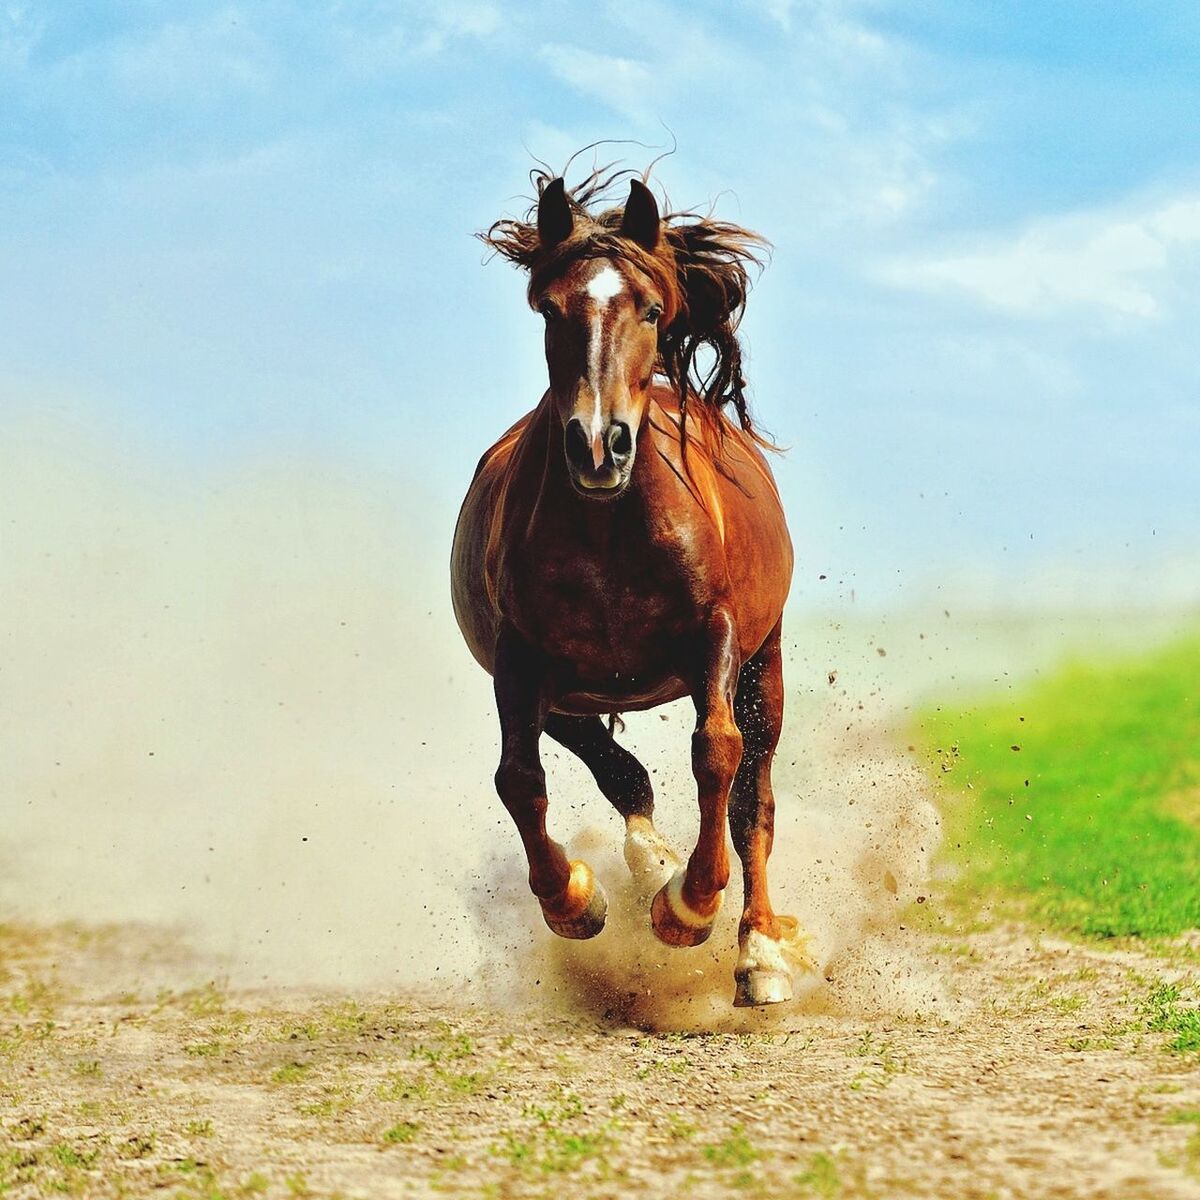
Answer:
x=589 y=606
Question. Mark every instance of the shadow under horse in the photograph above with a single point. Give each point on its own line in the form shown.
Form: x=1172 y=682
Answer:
x=624 y=545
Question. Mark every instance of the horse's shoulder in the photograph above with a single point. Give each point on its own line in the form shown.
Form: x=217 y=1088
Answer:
x=499 y=453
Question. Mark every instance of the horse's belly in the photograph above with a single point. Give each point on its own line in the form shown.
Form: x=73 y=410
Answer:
x=587 y=703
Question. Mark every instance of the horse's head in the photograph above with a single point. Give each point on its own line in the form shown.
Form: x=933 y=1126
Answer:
x=626 y=294
x=602 y=309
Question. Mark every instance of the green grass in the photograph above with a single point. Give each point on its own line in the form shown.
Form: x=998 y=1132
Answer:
x=735 y=1151
x=555 y=1143
x=821 y=1177
x=1165 y=1014
x=406 y=1131
x=1080 y=794
x=291 y=1073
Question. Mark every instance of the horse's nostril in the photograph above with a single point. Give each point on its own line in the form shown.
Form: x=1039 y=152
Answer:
x=620 y=440
x=581 y=454
x=579 y=451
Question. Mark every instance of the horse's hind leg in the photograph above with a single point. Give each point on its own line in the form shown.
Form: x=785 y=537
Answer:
x=572 y=901
x=769 y=945
x=625 y=783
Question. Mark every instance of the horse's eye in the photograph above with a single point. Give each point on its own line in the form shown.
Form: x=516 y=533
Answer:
x=548 y=309
x=653 y=313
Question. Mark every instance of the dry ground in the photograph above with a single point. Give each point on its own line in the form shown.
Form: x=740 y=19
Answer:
x=1049 y=1085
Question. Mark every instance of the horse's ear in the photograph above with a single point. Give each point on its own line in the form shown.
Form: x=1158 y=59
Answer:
x=641 y=221
x=555 y=221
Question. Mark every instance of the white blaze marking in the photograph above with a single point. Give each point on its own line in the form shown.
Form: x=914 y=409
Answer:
x=602 y=287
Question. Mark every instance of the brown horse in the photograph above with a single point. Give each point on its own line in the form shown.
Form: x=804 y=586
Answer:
x=624 y=545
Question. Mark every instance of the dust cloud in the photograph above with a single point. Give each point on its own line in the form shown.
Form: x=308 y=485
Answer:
x=237 y=706
x=233 y=705
x=856 y=832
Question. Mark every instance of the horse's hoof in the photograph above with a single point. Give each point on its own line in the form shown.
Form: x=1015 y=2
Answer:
x=650 y=860
x=675 y=922
x=756 y=988
x=765 y=964
x=580 y=912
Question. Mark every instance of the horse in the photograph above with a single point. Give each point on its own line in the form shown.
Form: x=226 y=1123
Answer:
x=624 y=545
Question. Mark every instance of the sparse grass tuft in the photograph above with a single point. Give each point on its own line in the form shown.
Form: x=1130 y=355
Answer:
x=402 y=1133
x=820 y=1178
x=734 y=1151
x=680 y=1128
x=204 y=1049
x=291 y=1073
x=557 y=1144
x=1164 y=1013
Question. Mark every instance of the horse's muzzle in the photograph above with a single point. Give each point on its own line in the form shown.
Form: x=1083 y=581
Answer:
x=599 y=462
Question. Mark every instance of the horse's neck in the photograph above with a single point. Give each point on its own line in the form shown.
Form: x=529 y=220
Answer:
x=537 y=476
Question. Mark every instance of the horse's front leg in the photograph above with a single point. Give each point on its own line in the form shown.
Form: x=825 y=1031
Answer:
x=684 y=909
x=573 y=903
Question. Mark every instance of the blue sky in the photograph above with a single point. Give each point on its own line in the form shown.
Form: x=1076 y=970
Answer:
x=235 y=232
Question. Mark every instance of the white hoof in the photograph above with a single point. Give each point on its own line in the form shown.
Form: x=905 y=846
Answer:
x=757 y=988
x=765 y=965
x=650 y=860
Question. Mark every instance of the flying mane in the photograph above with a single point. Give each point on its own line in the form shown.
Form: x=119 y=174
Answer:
x=700 y=265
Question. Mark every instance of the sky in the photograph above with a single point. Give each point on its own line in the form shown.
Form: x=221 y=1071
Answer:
x=236 y=235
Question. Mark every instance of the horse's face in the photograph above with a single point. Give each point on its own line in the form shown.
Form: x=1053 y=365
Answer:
x=602 y=315
x=601 y=319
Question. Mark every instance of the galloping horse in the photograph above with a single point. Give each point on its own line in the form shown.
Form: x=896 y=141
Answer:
x=623 y=545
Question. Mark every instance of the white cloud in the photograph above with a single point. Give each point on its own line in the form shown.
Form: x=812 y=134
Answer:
x=458 y=20
x=381 y=39
x=624 y=84
x=1121 y=263
x=809 y=95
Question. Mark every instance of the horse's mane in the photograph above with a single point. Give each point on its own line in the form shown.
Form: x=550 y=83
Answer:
x=701 y=265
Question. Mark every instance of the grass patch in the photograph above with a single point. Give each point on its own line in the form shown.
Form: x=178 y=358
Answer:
x=556 y=1143
x=1081 y=794
x=735 y=1151
x=204 y=1050
x=820 y=1178
x=291 y=1072
x=401 y=1134
x=1165 y=1014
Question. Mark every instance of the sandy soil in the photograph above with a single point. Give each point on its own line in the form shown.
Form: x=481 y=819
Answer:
x=1046 y=1084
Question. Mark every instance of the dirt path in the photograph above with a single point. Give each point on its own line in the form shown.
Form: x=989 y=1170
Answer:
x=1048 y=1085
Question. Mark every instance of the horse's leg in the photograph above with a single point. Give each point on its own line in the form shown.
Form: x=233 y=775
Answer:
x=766 y=942
x=625 y=783
x=683 y=911
x=573 y=903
